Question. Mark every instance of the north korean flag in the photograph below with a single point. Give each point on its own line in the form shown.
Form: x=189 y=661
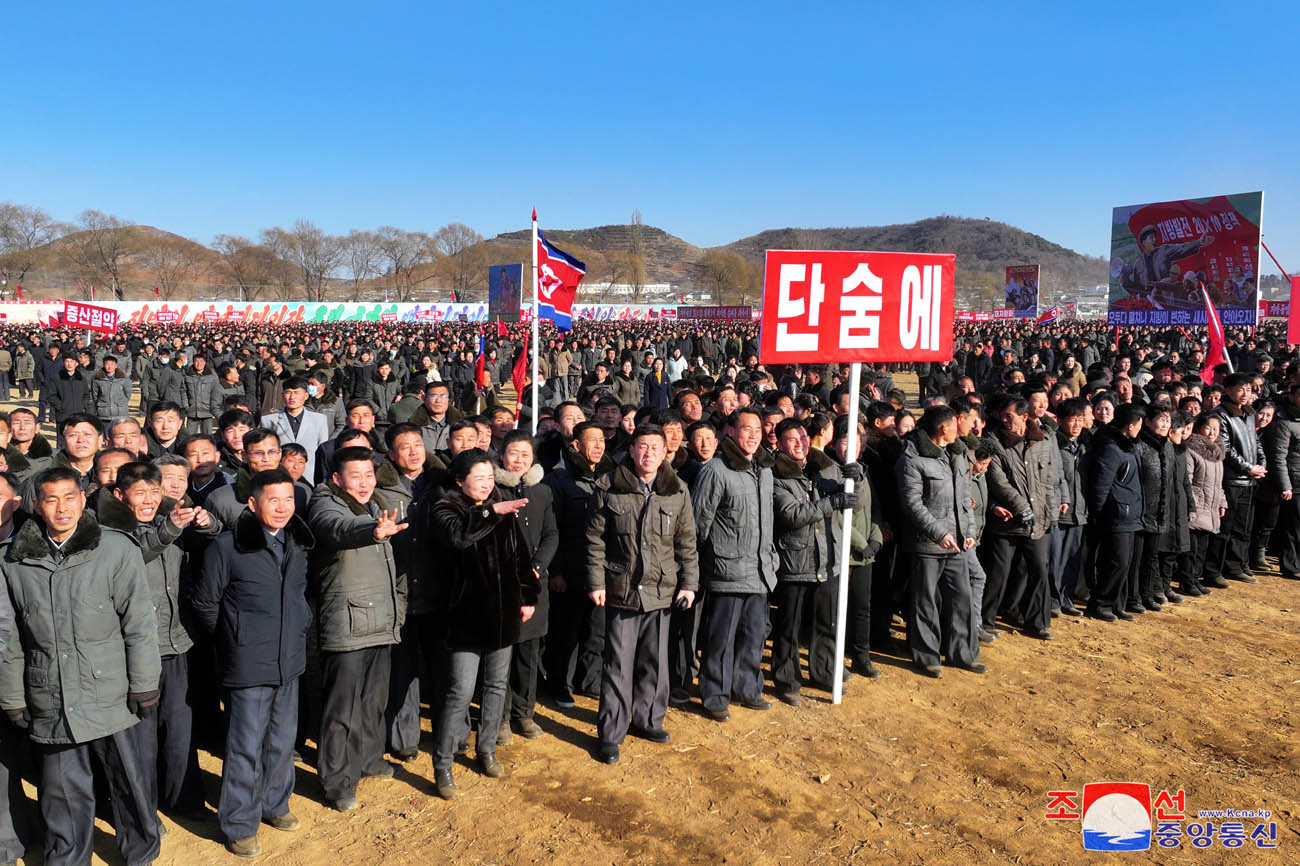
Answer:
x=558 y=276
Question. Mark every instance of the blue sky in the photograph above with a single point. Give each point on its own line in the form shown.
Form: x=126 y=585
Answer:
x=716 y=120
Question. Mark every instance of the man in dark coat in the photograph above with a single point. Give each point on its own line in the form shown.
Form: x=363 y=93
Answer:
x=253 y=597
x=1243 y=466
x=1114 y=492
x=641 y=560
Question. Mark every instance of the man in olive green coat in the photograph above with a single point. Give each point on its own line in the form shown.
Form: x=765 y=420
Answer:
x=83 y=670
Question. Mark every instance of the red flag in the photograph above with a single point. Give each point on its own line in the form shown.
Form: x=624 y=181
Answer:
x=1218 y=353
x=155 y=292
x=20 y=293
x=520 y=373
x=501 y=328
x=479 y=373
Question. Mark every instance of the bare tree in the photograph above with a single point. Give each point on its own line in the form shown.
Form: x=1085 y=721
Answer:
x=98 y=251
x=174 y=262
x=404 y=256
x=727 y=275
x=25 y=236
x=636 y=256
x=315 y=254
x=461 y=258
x=361 y=258
x=247 y=266
x=283 y=274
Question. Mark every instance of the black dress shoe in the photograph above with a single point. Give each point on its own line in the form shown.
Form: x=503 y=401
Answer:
x=934 y=672
x=976 y=668
x=1217 y=582
x=1190 y=589
x=791 y=698
x=654 y=735
x=987 y=637
x=1103 y=615
x=1152 y=604
x=1173 y=598
x=1071 y=610
x=1290 y=575
x=678 y=698
x=722 y=715
x=446 y=786
x=1124 y=615
x=756 y=704
x=1136 y=607
x=1243 y=578
x=607 y=753
x=863 y=667
x=1038 y=634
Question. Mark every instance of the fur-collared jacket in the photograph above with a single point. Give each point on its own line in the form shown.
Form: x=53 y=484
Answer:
x=1024 y=477
x=734 y=521
x=255 y=604
x=159 y=543
x=641 y=540
x=1281 y=443
x=572 y=484
x=1114 y=483
x=1205 y=472
x=807 y=527
x=230 y=501
x=538 y=521
x=488 y=572
x=359 y=596
x=86 y=638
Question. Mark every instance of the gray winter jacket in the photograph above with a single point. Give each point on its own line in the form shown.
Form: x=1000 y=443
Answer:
x=807 y=528
x=87 y=632
x=1025 y=476
x=734 y=521
x=359 y=596
x=203 y=394
x=933 y=497
x=111 y=395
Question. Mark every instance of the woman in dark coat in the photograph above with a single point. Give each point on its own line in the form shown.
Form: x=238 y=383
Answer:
x=520 y=477
x=656 y=390
x=491 y=591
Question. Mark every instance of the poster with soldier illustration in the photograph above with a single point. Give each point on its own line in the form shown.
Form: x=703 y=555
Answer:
x=1022 y=290
x=1161 y=253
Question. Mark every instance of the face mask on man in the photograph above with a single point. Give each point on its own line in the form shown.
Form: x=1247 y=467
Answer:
x=313 y=391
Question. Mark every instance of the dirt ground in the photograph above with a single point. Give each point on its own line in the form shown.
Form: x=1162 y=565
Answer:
x=908 y=770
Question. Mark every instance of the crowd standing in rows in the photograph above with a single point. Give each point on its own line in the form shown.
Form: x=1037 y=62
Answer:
x=306 y=533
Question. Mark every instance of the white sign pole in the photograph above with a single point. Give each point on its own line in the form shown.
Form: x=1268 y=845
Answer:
x=536 y=411
x=846 y=537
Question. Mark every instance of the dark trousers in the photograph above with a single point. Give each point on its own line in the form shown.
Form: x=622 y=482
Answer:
x=352 y=717
x=24 y=388
x=1156 y=568
x=453 y=723
x=1263 y=522
x=257 y=775
x=684 y=642
x=796 y=604
x=1230 y=549
x=575 y=642
x=634 y=678
x=939 y=614
x=1017 y=584
x=5 y=388
x=408 y=660
x=1289 y=530
x=525 y=667
x=67 y=797
x=1144 y=544
x=858 y=633
x=14 y=825
x=1112 y=556
x=1200 y=547
x=205 y=696
x=733 y=649
x=882 y=594
x=44 y=404
x=165 y=741
x=1066 y=562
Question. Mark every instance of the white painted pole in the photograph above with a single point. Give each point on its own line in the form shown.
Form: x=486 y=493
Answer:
x=846 y=538
x=536 y=409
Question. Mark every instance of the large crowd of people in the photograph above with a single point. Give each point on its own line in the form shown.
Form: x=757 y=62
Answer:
x=246 y=538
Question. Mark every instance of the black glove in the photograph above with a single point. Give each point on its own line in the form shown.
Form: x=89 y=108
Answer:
x=20 y=719
x=852 y=471
x=843 y=500
x=873 y=547
x=1027 y=518
x=142 y=704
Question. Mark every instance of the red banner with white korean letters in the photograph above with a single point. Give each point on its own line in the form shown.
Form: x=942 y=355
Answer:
x=821 y=305
x=90 y=317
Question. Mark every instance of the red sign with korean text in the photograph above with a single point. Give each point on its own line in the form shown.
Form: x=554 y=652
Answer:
x=90 y=317
x=1004 y=313
x=821 y=305
x=1293 y=314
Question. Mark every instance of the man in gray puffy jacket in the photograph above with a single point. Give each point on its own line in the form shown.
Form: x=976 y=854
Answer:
x=361 y=604
x=87 y=671
x=937 y=520
x=110 y=391
x=733 y=523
